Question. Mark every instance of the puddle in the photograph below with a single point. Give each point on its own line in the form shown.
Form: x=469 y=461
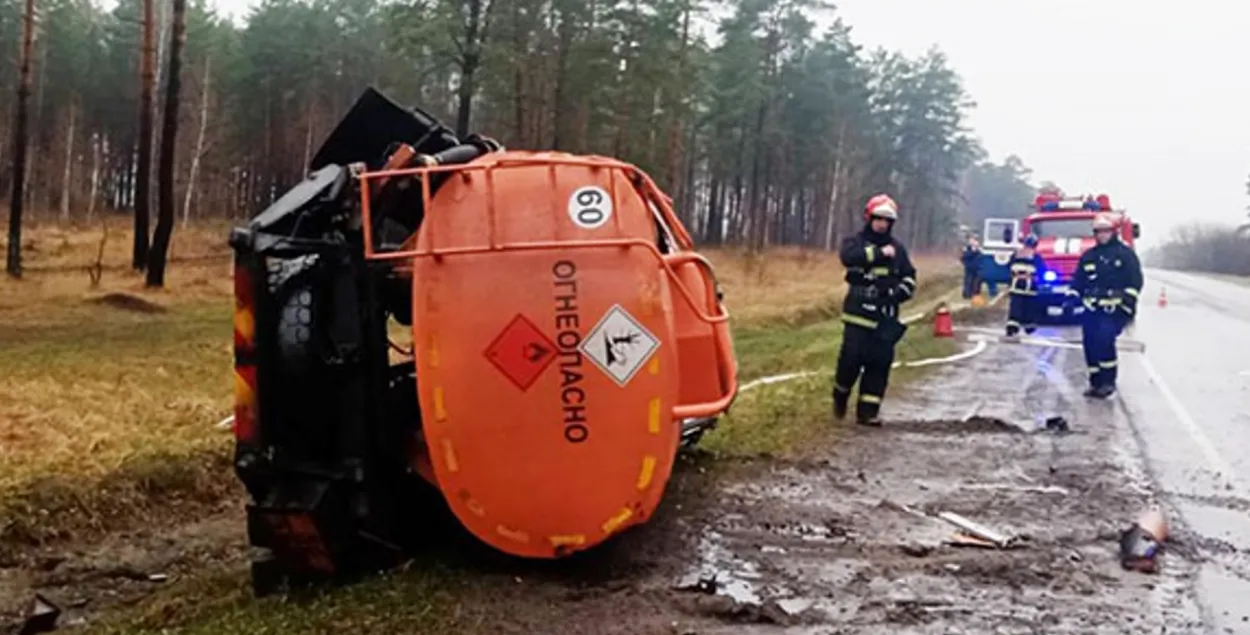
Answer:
x=723 y=573
x=794 y=488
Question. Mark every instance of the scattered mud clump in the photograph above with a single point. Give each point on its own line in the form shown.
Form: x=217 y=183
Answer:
x=971 y=425
x=128 y=302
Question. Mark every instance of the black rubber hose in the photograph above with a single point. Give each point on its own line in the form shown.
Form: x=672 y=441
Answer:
x=459 y=154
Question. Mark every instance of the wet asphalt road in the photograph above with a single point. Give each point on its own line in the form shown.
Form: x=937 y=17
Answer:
x=1188 y=399
x=1176 y=434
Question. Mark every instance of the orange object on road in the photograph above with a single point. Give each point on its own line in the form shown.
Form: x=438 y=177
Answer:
x=942 y=326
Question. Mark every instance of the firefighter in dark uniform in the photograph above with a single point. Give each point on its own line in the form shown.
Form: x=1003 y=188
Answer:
x=880 y=276
x=971 y=260
x=1026 y=268
x=1108 y=281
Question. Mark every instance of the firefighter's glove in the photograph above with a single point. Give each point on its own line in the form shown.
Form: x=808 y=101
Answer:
x=1130 y=302
x=903 y=291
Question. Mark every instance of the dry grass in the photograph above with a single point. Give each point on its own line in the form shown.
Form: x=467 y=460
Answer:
x=791 y=285
x=109 y=393
x=56 y=287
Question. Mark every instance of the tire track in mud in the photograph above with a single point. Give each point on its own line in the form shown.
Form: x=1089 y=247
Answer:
x=814 y=549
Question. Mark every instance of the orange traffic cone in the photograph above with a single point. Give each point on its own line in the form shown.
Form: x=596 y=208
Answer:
x=1163 y=297
x=942 y=326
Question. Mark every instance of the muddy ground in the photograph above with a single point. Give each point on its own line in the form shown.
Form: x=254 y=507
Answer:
x=821 y=545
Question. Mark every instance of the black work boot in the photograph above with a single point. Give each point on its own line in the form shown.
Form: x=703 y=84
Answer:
x=839 y=407
x=840 y=403
x=868 y=415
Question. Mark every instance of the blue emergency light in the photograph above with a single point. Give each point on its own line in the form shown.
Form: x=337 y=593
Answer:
x=1050 y=276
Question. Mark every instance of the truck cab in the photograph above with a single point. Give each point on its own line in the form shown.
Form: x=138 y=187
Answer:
x=1064 y=229
x=1000 y=241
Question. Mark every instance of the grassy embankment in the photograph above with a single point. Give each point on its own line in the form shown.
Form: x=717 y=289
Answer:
x=108 y=408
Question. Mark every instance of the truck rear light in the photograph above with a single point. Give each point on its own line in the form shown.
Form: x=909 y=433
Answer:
x=244 y=355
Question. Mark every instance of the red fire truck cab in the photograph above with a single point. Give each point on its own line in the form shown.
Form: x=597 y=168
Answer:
x=1064 y=229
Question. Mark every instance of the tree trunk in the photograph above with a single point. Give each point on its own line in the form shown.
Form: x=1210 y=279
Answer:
x=199 y=144
x=35 y=128
x=169 y=132
x=69 y=163
x=468 y=68
x=561 y=106
x=14 y=260
x=143 y=185
x=96 y=140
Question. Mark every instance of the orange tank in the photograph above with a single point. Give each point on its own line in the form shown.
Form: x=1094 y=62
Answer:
x=563 y=328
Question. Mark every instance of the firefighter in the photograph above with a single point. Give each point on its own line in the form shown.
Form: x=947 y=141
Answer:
x=880 y=277
x=971 y=260
x=1107 y=281
x=1026 y=270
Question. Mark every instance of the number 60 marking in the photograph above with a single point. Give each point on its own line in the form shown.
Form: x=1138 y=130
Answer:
x=590 y=207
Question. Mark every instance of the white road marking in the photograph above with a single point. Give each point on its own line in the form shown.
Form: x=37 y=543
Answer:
x=1214 y=459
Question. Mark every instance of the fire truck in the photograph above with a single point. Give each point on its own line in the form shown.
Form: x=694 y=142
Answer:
x=1064 y=229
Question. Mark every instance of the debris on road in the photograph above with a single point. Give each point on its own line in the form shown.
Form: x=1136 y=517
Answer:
x=906 y=509
x=41 y=617
x=971 y=533
x=977 y=530
x=698 y=584
x=1030 y=489
x=916 y=550
x=1141 y=544
x=961 y=539
x=1057 y=424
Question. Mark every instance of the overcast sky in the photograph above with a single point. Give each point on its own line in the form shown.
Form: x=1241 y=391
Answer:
x=1146 y=101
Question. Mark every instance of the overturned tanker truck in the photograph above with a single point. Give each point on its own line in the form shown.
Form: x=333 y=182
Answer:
x=566 y=340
